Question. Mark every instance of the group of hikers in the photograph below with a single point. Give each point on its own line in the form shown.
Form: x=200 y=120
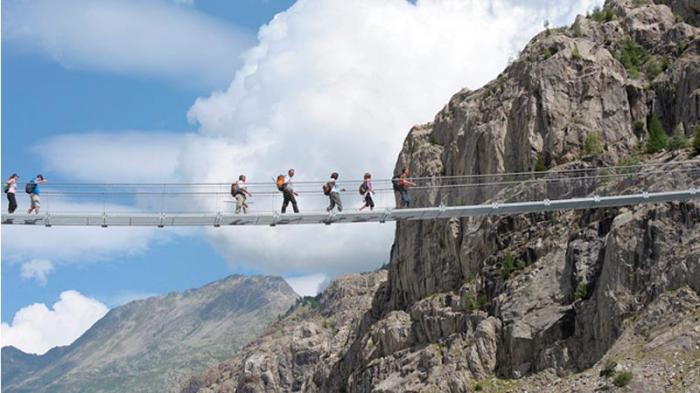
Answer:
x=285 y=184
x=31 y=188
x=239 y=190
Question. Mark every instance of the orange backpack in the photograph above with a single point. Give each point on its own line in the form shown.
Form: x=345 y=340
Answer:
x=280 y=182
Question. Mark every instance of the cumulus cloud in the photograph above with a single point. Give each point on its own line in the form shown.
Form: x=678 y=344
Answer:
x=37 y=269
x=38 y=328
x=336 y=85
x=151 y=38
x=101 y=156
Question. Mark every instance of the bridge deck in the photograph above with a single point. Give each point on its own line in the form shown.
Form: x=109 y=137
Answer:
x=272 y=219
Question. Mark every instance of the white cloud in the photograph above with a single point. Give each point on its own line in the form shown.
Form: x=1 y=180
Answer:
x=69 y=244
x=36 y=328
x=37 y=269
x=308 y=285
x=150 y=38
x=336 y=85
x=128 y=156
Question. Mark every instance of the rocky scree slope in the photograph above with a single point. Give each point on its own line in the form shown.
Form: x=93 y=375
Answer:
x=512 y=296
x=155 y=344
x=296 y=353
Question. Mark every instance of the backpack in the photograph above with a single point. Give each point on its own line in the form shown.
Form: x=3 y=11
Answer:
x=396 y=183
x=280 y=182
x=30 y=187
x=5 y=188
x=363 y=188
x=235 y=189
x=327 y=188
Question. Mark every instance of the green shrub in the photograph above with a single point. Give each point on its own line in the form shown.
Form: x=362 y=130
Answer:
x=482 y=300
x=657 y=136
x=546 y=29
x=433 y=139
x=638 y=126
x=539 y=165
x=653 y=69
x=680 y=47
x=622 y=378
x=507 y=266
x=575 y=54
x=632 y=56
x=477 y=387
x=602 y=15
x=470 y=303
x=696 y=140
x=547 y=53
x=609 y=369
x=581 y=291
x=470 y=277
x=678 y=140
x=592 y=144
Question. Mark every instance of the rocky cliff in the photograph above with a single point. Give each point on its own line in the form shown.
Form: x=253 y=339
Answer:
x=155 y=344
x=582 y=301
x=296 y=353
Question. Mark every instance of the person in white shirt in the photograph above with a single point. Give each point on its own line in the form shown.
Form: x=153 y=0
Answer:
x=288 y=193
x=334 y=194
x=241 y=195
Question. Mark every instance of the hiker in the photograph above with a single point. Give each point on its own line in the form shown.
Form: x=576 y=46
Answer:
x=331 y=189
x=32 y=188
x=401 y=183
x=366 y=190
x=239 y=190
x=284 y=184
x=11 y=191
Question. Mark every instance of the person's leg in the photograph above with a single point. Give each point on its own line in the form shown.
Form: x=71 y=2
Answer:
x=286 y=201
x=31 y=204
x=293 y=199
x=369 y=201
x=239 y=203
x=13 y=202
x=331 y=204
x=338 y=202
x=37 y=204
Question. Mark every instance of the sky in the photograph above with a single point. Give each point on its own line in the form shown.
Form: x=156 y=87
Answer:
x=201 y=90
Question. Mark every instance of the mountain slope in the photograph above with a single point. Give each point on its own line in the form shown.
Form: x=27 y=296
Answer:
x=296 y=353
x=156 y=343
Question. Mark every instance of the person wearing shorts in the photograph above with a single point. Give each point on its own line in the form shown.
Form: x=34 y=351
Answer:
x=35 y=201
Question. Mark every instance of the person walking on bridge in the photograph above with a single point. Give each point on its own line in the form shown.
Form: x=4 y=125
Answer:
x=32 y=189
x=331 y=189
x=11 y=191
x=284 y=184
x=240 y=192
x=366 y=191
x=401 y=184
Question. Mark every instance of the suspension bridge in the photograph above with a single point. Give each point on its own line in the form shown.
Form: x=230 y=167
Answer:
x=436 y=197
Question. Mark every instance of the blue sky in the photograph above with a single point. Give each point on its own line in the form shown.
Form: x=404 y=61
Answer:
x=201 y=90
x=42 y=98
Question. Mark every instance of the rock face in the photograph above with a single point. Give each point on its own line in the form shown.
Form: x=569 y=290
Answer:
x=155 y=344
x=296 y=353
x=451 y=314
x=538 y=301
